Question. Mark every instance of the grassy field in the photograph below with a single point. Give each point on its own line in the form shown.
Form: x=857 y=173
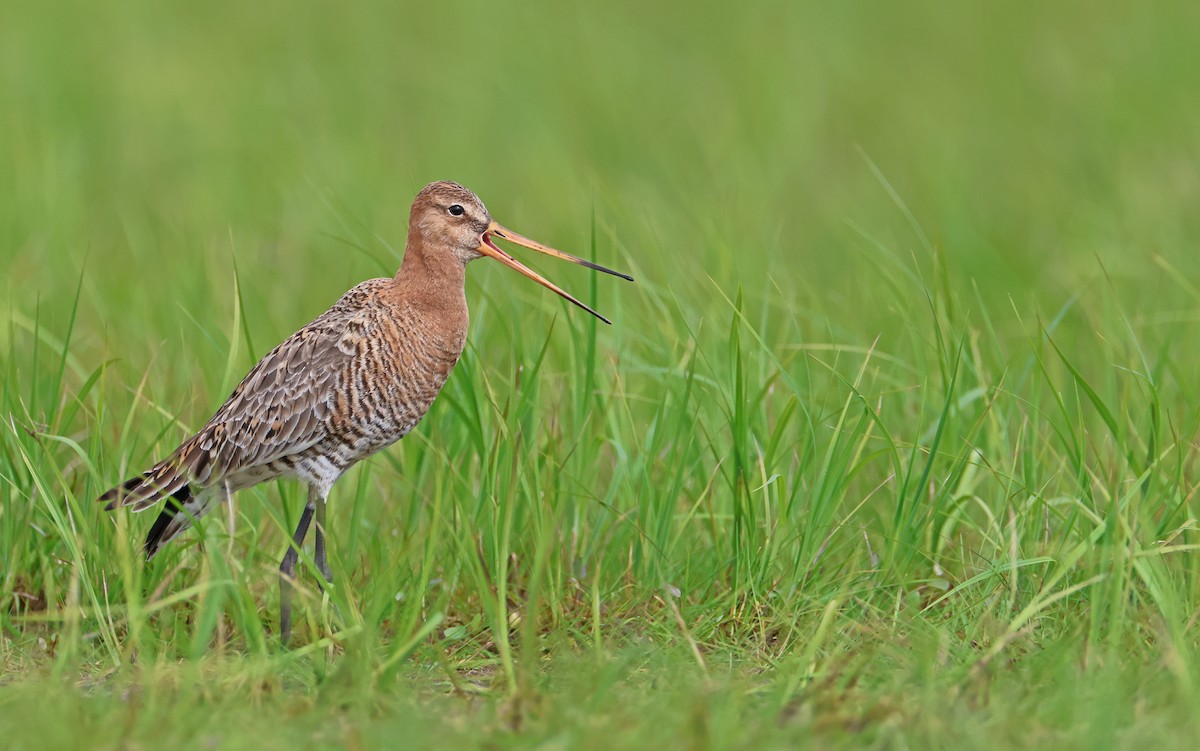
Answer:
x=893 y=443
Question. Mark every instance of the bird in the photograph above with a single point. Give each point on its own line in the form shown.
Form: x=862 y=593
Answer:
x=352 y=382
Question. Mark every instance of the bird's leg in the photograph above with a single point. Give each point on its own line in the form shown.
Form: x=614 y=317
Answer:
x=322 y=563
x=287 y=571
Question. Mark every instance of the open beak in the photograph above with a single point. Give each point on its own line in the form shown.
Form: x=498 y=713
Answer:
x=489 y=248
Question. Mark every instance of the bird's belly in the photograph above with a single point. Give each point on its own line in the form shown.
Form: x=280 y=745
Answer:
x=387 y=412
x=376 y=437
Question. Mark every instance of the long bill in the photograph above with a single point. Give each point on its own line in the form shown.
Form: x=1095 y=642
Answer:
x=489 y=248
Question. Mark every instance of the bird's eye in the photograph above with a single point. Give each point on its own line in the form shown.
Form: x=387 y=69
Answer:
x=456 y=210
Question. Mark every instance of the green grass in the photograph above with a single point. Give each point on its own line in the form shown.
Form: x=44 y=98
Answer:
x=892 y=444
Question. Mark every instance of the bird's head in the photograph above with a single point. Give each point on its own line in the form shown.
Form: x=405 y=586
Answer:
x=449 y=218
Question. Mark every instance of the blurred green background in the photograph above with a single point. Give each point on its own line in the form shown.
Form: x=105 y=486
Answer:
x=964 y=237
x=1032 y=143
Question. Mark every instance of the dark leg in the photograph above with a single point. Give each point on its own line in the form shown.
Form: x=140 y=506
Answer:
x=287 y=571
x=322 y=564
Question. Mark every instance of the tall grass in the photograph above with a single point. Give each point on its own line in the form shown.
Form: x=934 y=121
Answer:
x=892 y=441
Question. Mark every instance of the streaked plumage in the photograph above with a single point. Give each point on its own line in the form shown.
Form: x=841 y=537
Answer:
x=353 y=381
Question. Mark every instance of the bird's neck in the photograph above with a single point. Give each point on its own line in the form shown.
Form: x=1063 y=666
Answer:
x=436 y=276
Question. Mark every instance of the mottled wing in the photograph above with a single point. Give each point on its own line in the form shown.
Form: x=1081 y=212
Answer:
x=280 y=408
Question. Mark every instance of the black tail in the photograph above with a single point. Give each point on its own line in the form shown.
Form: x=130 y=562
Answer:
x=163 y=529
